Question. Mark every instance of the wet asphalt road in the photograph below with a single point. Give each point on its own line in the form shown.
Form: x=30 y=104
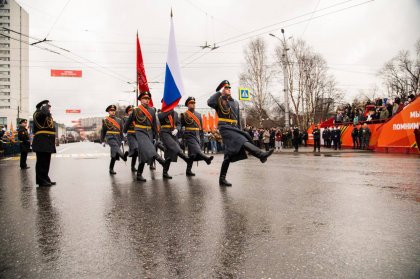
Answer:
x=333 y=215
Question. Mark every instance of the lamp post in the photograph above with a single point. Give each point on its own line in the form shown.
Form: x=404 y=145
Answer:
x=285 y=63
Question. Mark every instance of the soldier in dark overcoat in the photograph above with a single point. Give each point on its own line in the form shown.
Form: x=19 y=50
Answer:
x=235 y=141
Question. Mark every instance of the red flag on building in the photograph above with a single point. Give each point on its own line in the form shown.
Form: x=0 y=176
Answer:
x=142 y=85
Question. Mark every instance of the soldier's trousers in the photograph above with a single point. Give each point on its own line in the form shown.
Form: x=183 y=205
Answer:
x=23 y=157
x=317 y=144
x=42 y=167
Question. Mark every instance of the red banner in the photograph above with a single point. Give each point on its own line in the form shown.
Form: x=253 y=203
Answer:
x=141 y=72
x=73 y=110
x=66 y=73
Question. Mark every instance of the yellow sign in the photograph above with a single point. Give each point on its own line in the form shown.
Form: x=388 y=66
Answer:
x=244 y=94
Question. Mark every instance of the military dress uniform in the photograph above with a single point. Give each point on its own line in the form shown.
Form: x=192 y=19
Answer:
x=236 y=141
x=131 y=140
x=24 y=144
x=43 y=143
x=144 y=118
x=193 y=135
x=112 y=134
x=169 y=127
x=317 y=139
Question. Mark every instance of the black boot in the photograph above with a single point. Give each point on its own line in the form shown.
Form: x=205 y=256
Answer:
x=223 y=171
x=255 y=151
x=140 y=172
x=161 y=161
x=111 y=166
x=160 y=146
x=124 y=157
x=184 y=157
x=133 y=163
x=165 y=171
x=206 y=158
x=189 y=167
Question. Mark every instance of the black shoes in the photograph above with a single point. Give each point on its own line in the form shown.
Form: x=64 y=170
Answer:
x=166 y=175
x=25 y=168
x=112 y=172
x=223 y=182
x=133 y=169
x=140 y=178
x=125 y=156
x=208 y=160
x=265 y=155
x=190 y=173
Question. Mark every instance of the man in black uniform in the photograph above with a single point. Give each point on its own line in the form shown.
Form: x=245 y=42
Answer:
x=355 y=137
x=236 y=141
x=144 y=118
x=24 y=145
x=131 y=139
x=296 y=139
x=317 y=139
x=169 y=127
x=193 y=135
x=112 y=134
x=43 y=143
x=325 y=137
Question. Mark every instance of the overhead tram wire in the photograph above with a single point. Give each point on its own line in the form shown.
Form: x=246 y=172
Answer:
x=313 y=12
x=60 y=54
x=283 y=21
x=299 y=22
x=56 y=20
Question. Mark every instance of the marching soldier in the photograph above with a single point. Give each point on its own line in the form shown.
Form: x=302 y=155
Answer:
x=131 y=139
x=317 y=139
x=169 y=127
x=43 y=143
x=144 y=118
x=193 y=135
x=112 y=134
x=24 y=145
x=235 y=140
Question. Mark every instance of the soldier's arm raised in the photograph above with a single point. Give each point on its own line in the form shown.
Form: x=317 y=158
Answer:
x=212 y=101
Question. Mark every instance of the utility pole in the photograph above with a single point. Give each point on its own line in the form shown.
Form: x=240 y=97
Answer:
x=285 y=63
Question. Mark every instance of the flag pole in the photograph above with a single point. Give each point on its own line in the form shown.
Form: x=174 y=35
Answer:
x=137 y=74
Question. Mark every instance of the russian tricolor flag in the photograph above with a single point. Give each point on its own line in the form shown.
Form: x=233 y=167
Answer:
x=174 y=89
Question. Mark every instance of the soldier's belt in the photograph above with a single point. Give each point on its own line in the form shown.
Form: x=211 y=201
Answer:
x=131 y=132
x=45 y=132
x=192 y=129
x=143 y=126
x=166 y=126
x=112 y=133
x=228 y=120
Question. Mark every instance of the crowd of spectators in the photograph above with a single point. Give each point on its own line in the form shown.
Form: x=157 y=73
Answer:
x=378 y=110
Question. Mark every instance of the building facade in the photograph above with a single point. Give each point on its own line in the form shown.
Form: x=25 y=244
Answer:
x=14 y=61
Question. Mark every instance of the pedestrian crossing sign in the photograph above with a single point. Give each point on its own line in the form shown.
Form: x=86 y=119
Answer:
x=244 y=94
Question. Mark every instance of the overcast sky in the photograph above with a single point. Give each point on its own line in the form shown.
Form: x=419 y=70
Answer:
x=355 y=42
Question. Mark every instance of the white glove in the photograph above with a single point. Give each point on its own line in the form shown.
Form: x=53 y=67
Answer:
x=174 y=132
x=125 y=135
x=122 y=142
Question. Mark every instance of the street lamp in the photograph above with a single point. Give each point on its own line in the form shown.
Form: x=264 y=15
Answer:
x=286 y=78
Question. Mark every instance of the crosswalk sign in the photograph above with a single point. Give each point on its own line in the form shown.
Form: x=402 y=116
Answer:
x=244 y=94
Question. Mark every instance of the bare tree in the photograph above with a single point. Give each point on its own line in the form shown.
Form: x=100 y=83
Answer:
x=257 y=76
x=401 y=74
x=311 y=88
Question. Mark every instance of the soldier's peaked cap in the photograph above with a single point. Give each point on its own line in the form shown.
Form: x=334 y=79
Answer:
x=143 y=94
x=127 y=109
x=40 y=104
x=113 y=107
x=222 y=84
x=189 y=99
x=23 y=120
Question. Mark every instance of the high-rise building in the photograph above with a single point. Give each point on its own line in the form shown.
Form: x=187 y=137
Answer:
x=14 y=61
